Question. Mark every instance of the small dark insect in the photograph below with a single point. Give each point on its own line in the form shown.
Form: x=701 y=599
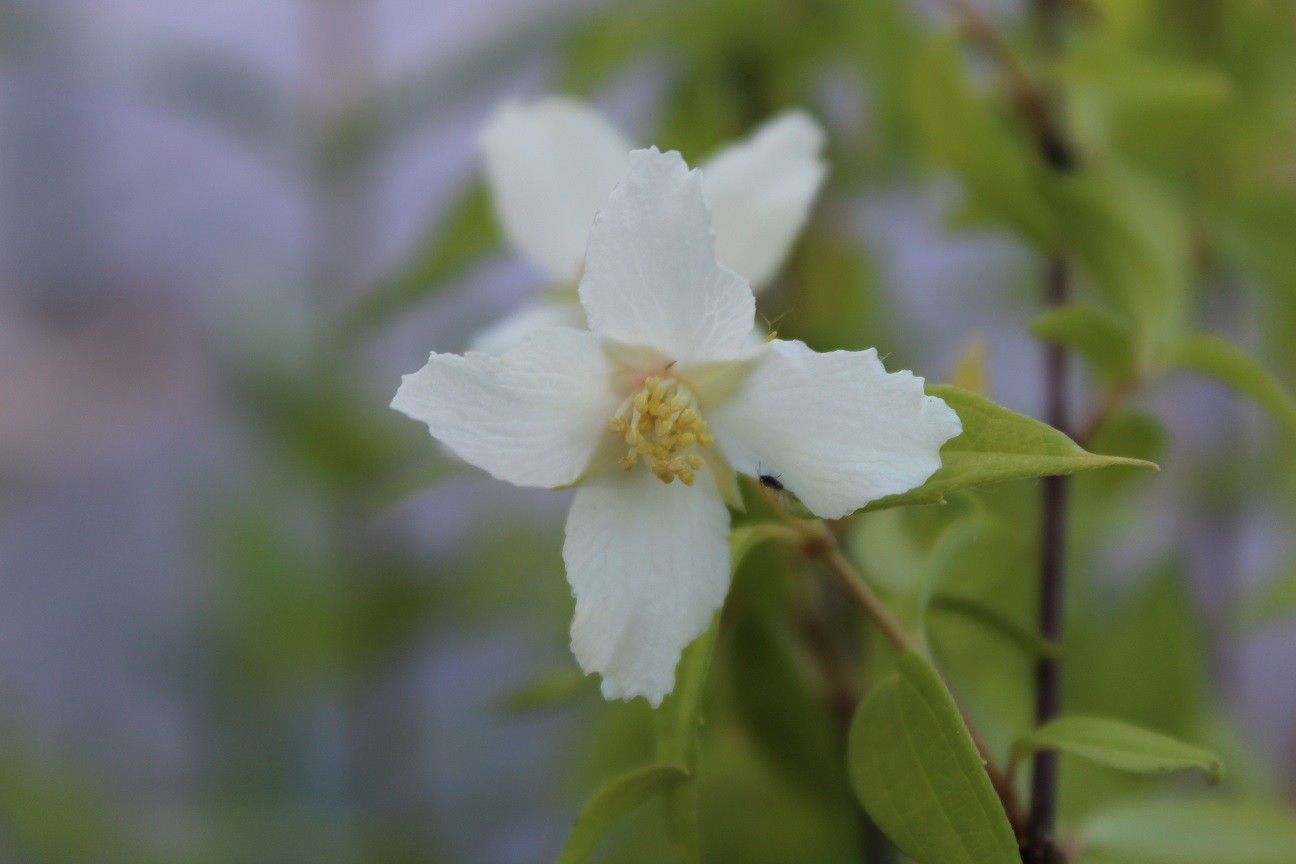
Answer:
x=772 y=482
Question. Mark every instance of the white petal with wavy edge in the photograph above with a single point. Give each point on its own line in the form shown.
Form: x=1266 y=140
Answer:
x=760 y=191
x=509 y=331
x=649 y=565
x=836 y=429
x=532 y=416
x=651 y=276
x=551 y=164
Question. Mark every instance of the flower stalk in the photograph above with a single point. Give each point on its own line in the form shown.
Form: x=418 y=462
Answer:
x=820 y=544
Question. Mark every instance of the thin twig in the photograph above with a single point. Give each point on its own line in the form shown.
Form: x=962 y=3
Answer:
x=1107 y=408
x=1031 y=99
x=820 y=544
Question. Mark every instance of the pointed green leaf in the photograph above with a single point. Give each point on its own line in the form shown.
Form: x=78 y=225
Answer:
x=998 y=445
x=1233 y=366
x=1191 y=832
x=919 y=776
x=550 y=689
x=464 y=235
x=612 y=802
x=1101 y=337
x=995 y=620
x=1120 y=745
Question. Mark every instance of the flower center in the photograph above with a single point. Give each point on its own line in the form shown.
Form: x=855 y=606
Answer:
x=660 y=423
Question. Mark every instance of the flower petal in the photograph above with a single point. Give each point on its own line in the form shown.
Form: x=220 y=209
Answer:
x=509 y=331
x=836 y=429
x=551 y=165
x=649 y=565
x=760 y=192
x=533 y=416
x=651 y=276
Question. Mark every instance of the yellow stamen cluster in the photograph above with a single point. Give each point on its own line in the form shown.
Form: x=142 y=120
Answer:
x=660 y=423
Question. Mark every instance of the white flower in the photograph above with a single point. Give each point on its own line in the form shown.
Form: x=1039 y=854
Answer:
x=552 y=163
x=652 y=408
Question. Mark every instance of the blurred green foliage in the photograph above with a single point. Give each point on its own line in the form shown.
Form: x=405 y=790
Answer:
x=1184 y=119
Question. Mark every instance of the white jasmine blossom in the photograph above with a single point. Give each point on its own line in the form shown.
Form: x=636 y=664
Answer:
x=650 y=411
x=552 y=163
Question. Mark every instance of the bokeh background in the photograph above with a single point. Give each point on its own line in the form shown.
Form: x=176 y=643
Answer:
x=247 y=613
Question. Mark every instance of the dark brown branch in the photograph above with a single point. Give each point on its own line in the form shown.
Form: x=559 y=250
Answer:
x=1040 y=109
x=1032 y=100
x=1048 y=674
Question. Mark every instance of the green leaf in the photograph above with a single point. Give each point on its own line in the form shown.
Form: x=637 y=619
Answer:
x=1120 y=745
x=550 y=689
x=467 y=233
x=745 y=538
x=679 y=717
x=1190 y=832
x=781 y=709
x=1231 y=365
x=678 y=720
x=1139 y=80
x=1101 y=337
x=997 y=445
x=962 y=131
x=1031 y=642
x=612 y=802
x=601 y=45
x=919 y=776
x=1132 y=243
x=1274 y=602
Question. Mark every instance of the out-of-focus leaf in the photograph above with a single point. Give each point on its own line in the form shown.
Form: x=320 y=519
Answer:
x=969 y=372
x=997 y=445
x=319 y=422
x=962 y=131
x=63 y=815
x=612 y=802
x=1140 y=80
x=1120 y=745
x=993 y=676
x=919 y=776
x=680 y=715
x=833 y=299
x=284 y=622
x=1234 y=367
x=1132 y=243
x=992 y=619
x=1127 y=432
x=1274 y=602
x=1190 y=832
x=465 y=234
x=745 y=538
x=778 y=705
x=1166 y=690
x=678 y=720
x=1100 y=336
x=601 y=45
x=551 y=689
